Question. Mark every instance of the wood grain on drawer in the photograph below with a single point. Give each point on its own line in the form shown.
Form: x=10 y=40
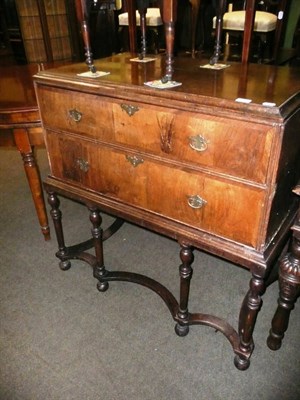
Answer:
x=230 y=147
x=229 y=210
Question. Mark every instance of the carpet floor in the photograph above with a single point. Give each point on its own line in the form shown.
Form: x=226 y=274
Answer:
x=61 y=339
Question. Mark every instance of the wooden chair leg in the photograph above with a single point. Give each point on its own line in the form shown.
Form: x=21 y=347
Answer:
x=249 y=25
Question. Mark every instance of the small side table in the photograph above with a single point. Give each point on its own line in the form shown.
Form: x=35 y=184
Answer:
x=289 y=286
x=20 y=126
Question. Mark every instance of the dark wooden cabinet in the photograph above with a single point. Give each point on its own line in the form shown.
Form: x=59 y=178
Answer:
x=49 y=30
x=211 y=163
x=11 y=41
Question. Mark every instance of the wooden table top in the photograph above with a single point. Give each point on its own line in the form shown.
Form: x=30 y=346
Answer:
x=277 y=86
x=18 y=105
x=16 y=87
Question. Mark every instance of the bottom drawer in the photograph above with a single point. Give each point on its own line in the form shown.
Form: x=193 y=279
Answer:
x=224 y=208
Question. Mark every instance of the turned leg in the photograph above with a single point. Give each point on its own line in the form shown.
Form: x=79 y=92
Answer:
x=31 y=169
x=248 y=314
x=142 y=6
x=169 y=14
x=185 y=271
x=143 y=33
x=289 y=290
x=97 y=233
x=82 y=17
x=57 y=217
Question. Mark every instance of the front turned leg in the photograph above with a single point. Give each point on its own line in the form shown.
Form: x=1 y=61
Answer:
x=97 y=233
x=248 y=314
x=56 y=215
x=185 y=271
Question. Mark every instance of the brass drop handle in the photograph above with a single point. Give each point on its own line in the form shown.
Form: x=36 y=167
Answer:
x=75 y=115
x=198 y=143
x=196 y=201
x=130 y=109
x=134 y=160
x=83 y=164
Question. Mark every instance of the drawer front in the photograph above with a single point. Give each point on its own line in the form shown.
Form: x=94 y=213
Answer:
x=216 y=206
x=228 y=147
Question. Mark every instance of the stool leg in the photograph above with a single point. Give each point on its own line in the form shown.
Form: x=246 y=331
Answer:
x=219 y=28
x=169 y=13
x=143 y=25
x=289 y=291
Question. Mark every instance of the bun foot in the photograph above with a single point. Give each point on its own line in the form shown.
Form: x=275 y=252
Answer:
x=274 y=341
x=241 y=363
x=182 y=330
x=102 y=286
x=65 y=265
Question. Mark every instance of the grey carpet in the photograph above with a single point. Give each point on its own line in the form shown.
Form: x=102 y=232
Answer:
x=61 y=339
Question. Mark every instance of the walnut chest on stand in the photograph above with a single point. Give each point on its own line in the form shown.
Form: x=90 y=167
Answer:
x=210 y=163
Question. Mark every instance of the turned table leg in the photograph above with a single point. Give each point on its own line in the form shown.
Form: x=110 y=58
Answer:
x=289 y=288
x=185 y=272
x=97 y=233
x=31 y=169
x=57 y=217
x=248 y=314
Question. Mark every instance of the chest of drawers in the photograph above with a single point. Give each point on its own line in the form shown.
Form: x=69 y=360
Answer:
x=193 y=163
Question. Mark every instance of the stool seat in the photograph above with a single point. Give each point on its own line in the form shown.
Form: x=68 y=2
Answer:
x=235 y=21
x=153 y=18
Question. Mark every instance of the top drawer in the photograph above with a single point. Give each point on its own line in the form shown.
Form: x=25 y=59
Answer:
x=230 y=147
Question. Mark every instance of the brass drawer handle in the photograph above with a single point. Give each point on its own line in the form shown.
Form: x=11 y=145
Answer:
x=130 y=109
x=196 y=201
x=134 y=160
x=75 y=115
x=83 y=164
x=198 y=143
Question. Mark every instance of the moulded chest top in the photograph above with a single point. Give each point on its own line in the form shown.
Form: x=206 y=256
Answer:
x=272 y=91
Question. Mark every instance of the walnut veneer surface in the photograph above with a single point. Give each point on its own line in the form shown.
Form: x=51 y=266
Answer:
x=191 y=162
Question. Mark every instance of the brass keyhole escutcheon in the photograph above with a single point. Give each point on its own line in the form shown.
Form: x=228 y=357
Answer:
x=134 y=160
x=130 y=109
